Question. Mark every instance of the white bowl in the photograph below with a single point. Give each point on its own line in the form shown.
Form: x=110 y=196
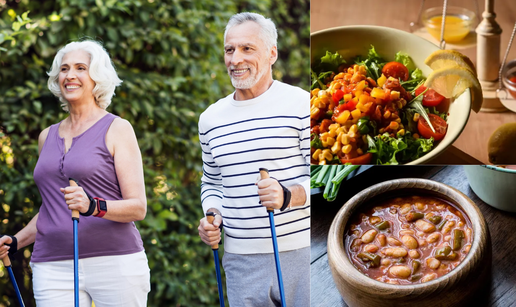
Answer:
x=496 y=186
x=351 y=41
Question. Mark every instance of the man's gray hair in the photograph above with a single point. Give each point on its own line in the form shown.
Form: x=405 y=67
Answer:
x=268 y=33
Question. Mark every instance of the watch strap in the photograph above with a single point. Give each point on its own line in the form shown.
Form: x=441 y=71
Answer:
x=101 y=206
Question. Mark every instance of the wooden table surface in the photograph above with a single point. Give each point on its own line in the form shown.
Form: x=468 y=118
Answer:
x=398 y=14
x=499 y=292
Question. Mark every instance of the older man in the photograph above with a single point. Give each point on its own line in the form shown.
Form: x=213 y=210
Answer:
x=263 y=124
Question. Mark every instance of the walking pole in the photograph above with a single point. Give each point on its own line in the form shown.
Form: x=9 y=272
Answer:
x=210 y=216
x=264 y=174
x=75 y=219
x=7 y=264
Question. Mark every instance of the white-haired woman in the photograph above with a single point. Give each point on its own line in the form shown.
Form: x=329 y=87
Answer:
x=100 y=151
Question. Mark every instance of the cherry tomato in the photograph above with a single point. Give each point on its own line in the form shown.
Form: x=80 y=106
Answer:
x=337 y=96
x=395 y=70
x=431 y=98
x=438 y=123
x=360 y=160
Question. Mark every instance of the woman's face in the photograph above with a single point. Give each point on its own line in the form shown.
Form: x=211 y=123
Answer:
x=74 y=77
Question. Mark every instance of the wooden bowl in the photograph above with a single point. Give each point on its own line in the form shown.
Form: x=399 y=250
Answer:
x=452 y=289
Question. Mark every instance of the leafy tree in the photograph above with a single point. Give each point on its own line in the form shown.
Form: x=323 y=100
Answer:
x=170 y=56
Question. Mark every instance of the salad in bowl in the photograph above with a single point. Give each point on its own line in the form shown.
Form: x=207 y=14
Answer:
x=389 y=97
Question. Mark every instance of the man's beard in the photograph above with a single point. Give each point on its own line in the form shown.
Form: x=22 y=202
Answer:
x=246 y=83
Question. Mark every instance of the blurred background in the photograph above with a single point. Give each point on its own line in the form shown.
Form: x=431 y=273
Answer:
x=170 y=56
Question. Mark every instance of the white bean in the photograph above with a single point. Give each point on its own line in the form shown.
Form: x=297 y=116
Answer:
x=425 y=226
x=393 y=241
x=409 y=241
x=399 y=271
x=368 y=237
x=433 y=263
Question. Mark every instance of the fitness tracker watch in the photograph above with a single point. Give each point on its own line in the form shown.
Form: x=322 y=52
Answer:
x=101 y=206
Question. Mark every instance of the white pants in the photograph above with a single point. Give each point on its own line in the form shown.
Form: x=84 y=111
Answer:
x=107 y=281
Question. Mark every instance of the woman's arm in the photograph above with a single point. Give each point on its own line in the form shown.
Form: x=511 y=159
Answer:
x=122 y=142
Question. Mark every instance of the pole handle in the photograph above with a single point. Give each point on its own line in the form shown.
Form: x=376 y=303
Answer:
x=210 y=217
x=6 y=261
x=264 y=174
x=75 y=213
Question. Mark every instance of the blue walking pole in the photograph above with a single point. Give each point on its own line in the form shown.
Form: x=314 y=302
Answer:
x=264 y=173
x=7 y=264
x=75 y=219
x=210 y=216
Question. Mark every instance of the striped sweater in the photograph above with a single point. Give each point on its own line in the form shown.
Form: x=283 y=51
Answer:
x=239 y=137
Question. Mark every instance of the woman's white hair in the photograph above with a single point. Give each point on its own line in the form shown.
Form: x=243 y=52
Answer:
x=268 y=33
x=101 y=70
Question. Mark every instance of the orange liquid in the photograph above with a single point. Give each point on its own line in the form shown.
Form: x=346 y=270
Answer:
x=455 y=29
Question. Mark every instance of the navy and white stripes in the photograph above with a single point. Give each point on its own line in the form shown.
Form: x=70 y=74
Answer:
x=239 y=137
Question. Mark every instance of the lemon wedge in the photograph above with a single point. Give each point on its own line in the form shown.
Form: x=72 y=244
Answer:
x=452 y=81
x=446 y=58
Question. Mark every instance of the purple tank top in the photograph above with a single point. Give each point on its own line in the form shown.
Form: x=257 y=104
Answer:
x=88 y=161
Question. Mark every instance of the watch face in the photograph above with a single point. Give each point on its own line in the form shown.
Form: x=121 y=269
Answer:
x=103 y=205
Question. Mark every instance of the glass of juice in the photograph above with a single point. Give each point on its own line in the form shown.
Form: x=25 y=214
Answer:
x=458 y=23
x=509 y=77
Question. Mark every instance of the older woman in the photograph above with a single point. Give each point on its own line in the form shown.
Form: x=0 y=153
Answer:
x=101 y=152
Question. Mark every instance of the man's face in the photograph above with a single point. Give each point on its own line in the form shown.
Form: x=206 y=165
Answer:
x=246 y=56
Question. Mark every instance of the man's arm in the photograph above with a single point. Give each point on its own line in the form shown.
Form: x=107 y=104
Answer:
x=211 y=192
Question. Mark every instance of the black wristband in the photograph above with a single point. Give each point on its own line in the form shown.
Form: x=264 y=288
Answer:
x=13 y=245
x=93 y=205
x=286 y=196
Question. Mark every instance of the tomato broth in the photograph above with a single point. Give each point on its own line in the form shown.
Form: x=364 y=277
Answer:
x=408 y=240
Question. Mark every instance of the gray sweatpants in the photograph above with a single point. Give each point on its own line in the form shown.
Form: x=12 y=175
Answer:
x=251 y=280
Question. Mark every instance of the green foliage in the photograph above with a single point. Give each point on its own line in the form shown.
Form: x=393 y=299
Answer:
x=170 y=56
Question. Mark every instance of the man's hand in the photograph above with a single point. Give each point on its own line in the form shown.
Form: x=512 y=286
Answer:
x=270 y=192
x=76 y=198
x=210 y=233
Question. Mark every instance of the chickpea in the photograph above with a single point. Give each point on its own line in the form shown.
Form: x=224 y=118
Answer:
x=429 y=277
x=433 y=263
x=395 y=252
x=382 y=239
x=371 y=248
x=405 y=209
x=434 y=237
x=409 y=241
x=425 y=226
x=399 y=271
x=369 y=236
x=414 y=254
x=393 y=241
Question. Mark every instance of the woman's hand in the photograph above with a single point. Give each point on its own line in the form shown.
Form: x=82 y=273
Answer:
x=270 y=193
x=4 y=249
x=76 y=198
